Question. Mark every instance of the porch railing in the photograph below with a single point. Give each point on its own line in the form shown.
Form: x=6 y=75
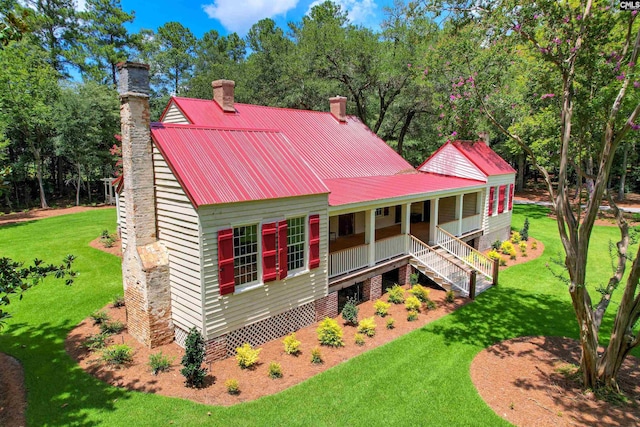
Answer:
x=391 y=247
x=465 y=253
x=348 y=260
x=449 y=271
x=468 y=224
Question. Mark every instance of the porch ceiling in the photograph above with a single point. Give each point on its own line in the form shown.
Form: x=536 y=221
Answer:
x=345 y=191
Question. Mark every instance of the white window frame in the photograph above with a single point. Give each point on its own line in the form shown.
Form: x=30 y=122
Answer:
x=496 y=199
x=258 y=281
x=305 y=245
x=506 y=198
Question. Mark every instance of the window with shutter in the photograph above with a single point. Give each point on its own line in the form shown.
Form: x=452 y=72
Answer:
x=226 y=279
x=501 y=192
x=314 y=241
x=245 y=254
x=269 y=252
x=491 y=196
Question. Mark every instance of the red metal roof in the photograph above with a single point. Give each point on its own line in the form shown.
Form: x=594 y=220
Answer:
x=333 y=149
x=487 y=160
x=370 y=188
x=228 y=165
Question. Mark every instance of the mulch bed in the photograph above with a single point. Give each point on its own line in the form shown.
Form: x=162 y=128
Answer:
x=254 y=383
x=13 y=399
x=528 y=382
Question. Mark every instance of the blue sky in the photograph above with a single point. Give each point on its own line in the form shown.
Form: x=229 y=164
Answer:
x=228 y=16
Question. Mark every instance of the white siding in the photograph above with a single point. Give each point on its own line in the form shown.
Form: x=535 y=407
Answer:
x=122 y=219
x=497 y=221
x=230 y=312
x=174 y=115
x=449 y=161
x=178 y=228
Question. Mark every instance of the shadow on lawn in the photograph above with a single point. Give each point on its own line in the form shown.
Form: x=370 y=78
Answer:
x=59 y=392
x=502 y=313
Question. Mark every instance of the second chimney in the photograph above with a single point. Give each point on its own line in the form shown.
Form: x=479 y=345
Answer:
x=338 y=106
x=223 y=94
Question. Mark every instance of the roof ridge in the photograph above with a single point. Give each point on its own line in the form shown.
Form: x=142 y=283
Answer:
x=159 y=125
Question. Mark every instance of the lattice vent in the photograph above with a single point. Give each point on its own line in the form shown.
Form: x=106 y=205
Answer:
x=180 y=336
x=272 y=328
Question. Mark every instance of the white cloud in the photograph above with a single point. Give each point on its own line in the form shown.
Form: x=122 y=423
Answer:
x=240 y=16
x=358 y=11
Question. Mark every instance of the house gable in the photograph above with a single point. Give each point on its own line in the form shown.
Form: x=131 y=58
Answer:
x=173 y=114
x=448 y=160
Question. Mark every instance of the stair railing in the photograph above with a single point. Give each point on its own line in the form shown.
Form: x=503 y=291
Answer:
x=465 y=253
x=440 y=265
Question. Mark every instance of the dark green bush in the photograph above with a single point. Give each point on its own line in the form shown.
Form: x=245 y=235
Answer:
x=350 y=311
x=524 y=233
x=194 y=352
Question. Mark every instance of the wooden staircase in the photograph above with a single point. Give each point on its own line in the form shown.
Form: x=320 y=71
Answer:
x=448 y=270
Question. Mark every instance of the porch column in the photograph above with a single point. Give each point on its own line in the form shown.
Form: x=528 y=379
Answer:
x=405 y=227
x=459 y=206
x=433 y=221
x=370 y=234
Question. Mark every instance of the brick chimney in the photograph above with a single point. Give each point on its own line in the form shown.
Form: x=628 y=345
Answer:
x=145 y=261
x=223 y=94
x=338 y=105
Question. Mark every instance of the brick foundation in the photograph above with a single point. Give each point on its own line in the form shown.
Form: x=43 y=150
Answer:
x=327 y=306
x=404 y=275
x=372 y=288
x=216 y=349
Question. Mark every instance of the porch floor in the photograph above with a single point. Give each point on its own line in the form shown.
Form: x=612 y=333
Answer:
x=419 y=229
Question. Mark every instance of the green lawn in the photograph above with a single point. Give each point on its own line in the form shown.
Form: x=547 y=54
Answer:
x=421 y=378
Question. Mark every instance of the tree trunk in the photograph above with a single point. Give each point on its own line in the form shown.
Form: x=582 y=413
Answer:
x=38 y=159
x=623 y=175
x=521 y=172
x=403 y=131
x=78 y=184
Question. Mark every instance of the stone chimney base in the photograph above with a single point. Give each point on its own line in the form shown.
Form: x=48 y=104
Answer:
x=147 y=294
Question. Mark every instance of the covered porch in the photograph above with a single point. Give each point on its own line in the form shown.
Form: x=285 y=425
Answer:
x=368 y=237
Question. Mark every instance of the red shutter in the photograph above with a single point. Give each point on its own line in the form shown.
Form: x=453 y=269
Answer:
x=501 y=191
x=511 y=196
x=491 y=191
x=269 y=252
x=226 y=278
x=283 y=263
x=314 y=241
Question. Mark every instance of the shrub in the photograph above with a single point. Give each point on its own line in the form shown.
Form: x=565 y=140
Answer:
x=247 y=356
x=502 y=262
x=381 y=307
x=450 y=296
x=420 y=292
x=523 y=248
x=494 y=255
x=330 y=333
x=291 y=344
x=515 y=238
x=396 y=294
x=412 y=303
x=367 y=326
x=413 y=278
x=524 y=233
x=117 y=301
x=391 y=323
x=350 y=311
x=275 y=370
x=496 y=245
x=105 y=234
x=512 y=254
x=194 y=352
x=316 y=356
x=534 y=245
x=108 y=242
x=429 y=305
x=359 y=339
x=117 y=354
x=232 y=386
x=506 y=247
x=159 y=362
x=99 y=317
x=111 y=328
x=412 y=315
x=95 y=342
